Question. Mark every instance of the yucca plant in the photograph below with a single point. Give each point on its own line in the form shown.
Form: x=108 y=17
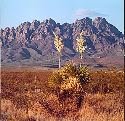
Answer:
x=80 y=45
x=58 y=42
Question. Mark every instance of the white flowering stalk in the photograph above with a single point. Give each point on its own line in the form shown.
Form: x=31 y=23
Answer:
x=80 y=45
x=59 y=45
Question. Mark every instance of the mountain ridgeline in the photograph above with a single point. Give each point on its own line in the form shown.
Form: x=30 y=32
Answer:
x=33 y=43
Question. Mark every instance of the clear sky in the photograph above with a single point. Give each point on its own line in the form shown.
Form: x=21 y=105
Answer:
x=14 y=12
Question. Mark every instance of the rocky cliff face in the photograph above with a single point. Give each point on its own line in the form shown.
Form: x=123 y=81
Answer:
x=33 y=42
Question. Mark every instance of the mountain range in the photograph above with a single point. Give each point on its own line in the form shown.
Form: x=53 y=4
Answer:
x=32 y=44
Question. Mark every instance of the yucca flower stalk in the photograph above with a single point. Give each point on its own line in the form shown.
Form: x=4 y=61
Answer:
x=80 y=45
x=59 y=46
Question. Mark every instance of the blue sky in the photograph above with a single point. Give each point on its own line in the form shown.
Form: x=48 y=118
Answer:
x=14 y=12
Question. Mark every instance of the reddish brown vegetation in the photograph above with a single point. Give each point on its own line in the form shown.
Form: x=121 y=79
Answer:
x=23 y=97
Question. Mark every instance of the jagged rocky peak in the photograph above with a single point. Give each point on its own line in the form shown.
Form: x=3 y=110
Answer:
x=84 y=24
x=47 y=26
x=49 y=22
x=35 y=24
x=100 y=23
x=1 y=32
x=7 y=29
x=12 y=29
x=5 y=33
x=85 y=21
x=25 y=25
x=8 y=33
x=99 y=20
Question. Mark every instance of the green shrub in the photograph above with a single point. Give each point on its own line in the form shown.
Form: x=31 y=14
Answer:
x=69 y=78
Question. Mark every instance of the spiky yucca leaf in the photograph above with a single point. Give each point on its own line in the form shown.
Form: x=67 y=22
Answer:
x=55 y=80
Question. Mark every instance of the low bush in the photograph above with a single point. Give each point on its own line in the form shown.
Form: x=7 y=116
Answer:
x=69 y=82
